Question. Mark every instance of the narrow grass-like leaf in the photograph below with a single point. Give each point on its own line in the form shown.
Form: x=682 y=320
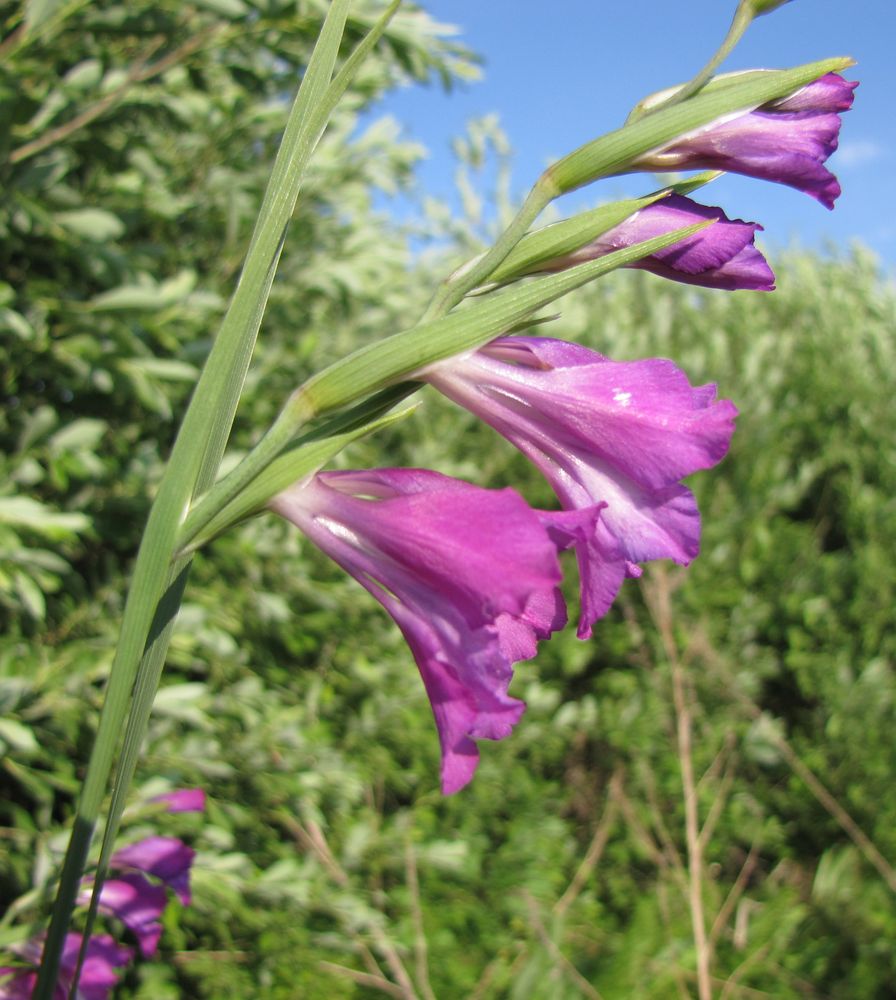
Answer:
x=193 y=463
x=307 y=121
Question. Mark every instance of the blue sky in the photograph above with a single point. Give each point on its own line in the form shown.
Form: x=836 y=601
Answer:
x=562 y=72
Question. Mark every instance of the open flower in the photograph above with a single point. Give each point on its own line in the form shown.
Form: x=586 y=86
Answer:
x=166 y=858
x=619 y=435
x=138 y=904
x=720 y=256
x=99 y=973
x=469 y=575
x=135 y=900
x=787 y=141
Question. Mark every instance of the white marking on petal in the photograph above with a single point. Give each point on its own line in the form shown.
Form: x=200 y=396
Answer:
x=339 y=530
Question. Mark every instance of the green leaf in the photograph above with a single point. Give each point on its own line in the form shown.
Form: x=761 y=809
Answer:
x=164 y=368
x=227 y=8
x=30 y=595
x=84 y=433
x=191 y=469
x=85 y=75
x=92 y=223
x=39 y=11
x=142 y=297
x=27 y=513
x=145 y=297
x=16 y=324
x=18 y=737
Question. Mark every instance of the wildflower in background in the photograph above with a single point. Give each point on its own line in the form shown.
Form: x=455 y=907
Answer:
x=99 y=974
x=166 y=858
x=787 y=141
x=182 y=800
x=136 y=901
x=469 y=575
x=721 y=256
x=619 y=435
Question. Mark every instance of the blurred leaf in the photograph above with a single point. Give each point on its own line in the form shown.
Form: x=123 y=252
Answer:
x=92 y=223
x=28 y=513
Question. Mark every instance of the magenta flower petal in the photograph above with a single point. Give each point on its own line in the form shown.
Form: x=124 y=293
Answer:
x=721 y=256
x=612 y=438
x=138 y=904
x=787 y=141
x=828 y=94
x=469 y=575
x=99 y=974
x=19 y=983
x=183 y=800
x=165 y=857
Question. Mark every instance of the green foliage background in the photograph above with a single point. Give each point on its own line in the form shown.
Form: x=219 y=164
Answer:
x=561 y=871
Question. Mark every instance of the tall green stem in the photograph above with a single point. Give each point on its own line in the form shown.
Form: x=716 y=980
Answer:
x=743 y=17
x=194 y=460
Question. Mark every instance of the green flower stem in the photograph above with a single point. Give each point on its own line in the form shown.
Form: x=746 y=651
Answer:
x=404 y=354
x=478 y=270
x=743 y=18
x=147 y=683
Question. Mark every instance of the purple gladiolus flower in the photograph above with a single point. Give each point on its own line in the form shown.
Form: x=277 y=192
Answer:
x=469 y=575
x=183 y=800
x=138 y=904
x=786 y=141
x=133 y=899
x=167 y=858
x=720 y=256
x=98 y=974
x=619 y=435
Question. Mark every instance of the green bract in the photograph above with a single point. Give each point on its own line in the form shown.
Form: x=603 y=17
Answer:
x=614 y=153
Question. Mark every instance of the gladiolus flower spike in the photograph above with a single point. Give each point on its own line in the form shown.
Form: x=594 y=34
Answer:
x=607 y=434
x=469 y=575
x=786 y=141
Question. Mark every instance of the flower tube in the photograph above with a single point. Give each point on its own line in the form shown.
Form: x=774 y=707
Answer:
x=619 y=435
x=469 y=575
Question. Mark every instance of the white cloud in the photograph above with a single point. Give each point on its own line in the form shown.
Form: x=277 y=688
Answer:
x=859 y=152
